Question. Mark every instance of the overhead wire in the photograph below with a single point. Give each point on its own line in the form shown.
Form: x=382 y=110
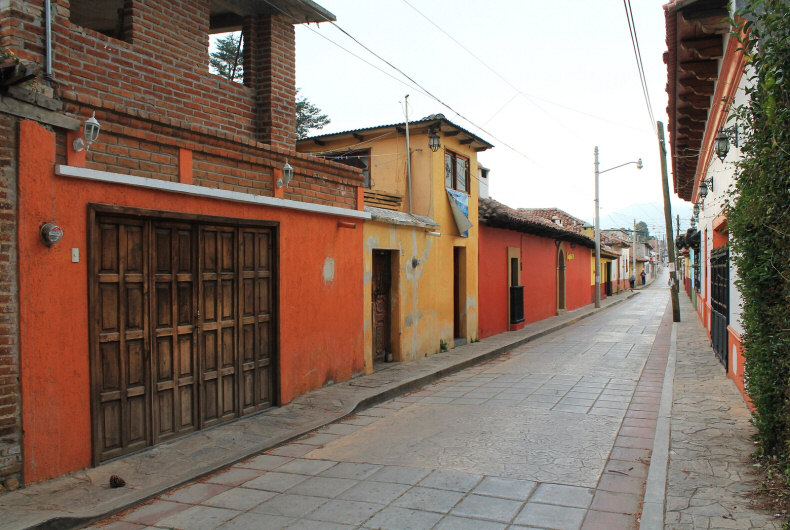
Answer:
x=629 y=15
x=431 y=95
x=525 y=95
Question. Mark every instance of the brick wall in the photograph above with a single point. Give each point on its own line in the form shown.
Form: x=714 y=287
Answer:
x=162 y=69
x=10 y=453
x=137 y=145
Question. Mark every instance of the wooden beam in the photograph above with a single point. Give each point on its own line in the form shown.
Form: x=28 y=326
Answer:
x=692 y=15
x=319 y=142
x=466 y=141
x=700 y=88
x=705 y=47
x=358 y=137
x=702 y=70
x=33 y=112
x=401 y=130
x=685 y=121
x=453 y=132
x=693 y=114
x=696 y=102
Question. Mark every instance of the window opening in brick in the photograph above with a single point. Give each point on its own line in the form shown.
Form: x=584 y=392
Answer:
x=456 y=171
x=104 y=16
x=359 y=158
x=226 y=55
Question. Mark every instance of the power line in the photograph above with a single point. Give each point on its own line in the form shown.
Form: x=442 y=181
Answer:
x=431 y=95
x=629 y=15
x=525 y=95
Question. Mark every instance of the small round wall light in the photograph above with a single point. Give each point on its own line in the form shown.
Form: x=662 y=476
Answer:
x=51 y=234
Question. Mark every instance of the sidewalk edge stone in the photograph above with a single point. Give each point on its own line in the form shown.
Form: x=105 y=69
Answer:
x=655 y=489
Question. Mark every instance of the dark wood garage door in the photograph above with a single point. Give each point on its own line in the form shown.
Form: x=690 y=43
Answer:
x=183 y=328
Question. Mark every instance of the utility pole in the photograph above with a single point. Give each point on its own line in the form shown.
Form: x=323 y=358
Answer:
x=668 y=220
x=408 y=150
x=597 y=239
x=633 y=260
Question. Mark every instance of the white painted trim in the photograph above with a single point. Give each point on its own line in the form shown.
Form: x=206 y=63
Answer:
x=201 y=191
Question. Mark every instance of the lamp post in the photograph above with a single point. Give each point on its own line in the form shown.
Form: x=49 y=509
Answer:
x=597 y=227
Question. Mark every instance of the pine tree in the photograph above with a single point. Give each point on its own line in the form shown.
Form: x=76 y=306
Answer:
x=226 y=60
x=308 y=116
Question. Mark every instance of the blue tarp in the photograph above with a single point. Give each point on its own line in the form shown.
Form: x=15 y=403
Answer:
x=459 y=204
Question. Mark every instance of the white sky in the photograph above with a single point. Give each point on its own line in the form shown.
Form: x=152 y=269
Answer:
x=572 y=58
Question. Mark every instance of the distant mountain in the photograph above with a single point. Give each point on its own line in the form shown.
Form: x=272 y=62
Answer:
x=651 y=213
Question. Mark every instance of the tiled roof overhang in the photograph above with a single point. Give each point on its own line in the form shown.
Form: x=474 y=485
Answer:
x=694 y=35
x=497 y=215
x=434 y=122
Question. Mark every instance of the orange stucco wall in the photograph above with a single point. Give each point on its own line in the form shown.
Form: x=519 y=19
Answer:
x=319 y=317
x=736 y=362
x=538 y=275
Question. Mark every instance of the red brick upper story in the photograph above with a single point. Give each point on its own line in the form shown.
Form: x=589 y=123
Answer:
x=142 y=67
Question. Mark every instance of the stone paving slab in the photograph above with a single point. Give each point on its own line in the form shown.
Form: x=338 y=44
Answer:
x=80 y=497
x=370 y=478
x=710 y=475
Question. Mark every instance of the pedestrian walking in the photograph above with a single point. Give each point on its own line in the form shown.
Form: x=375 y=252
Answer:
x=643 y=275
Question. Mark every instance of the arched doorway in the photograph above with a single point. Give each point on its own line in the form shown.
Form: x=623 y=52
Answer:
x=560 y=280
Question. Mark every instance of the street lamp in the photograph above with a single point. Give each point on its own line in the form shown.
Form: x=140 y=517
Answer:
x=597 y=227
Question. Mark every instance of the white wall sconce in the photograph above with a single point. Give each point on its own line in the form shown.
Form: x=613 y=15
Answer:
x=288 y=175
x=90 y=134
x=433 y=141
x=707 y=185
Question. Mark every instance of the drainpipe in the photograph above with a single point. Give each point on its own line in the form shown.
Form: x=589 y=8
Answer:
x=47 y=40
x=408 y=153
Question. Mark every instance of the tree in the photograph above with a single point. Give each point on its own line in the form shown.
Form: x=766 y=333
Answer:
x=308 y=116
x=760 y=226
x=226 y=60
x=642 y=230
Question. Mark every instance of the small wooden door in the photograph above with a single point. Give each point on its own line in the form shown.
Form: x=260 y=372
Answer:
x=256 y=345
x=119 y=316
x=173 y=328
x=382 y=281
x=217 y=324
x=560 y=280
x=182 y=328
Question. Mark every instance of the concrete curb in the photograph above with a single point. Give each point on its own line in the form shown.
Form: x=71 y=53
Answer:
x=656 y=486
x=351 y=407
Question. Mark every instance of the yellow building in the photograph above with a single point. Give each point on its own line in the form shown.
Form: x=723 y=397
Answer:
x=420 y=247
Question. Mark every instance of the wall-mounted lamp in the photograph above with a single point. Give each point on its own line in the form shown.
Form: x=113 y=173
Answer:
x=288 y=175
x=431 y=233
x=707 y=185
x=693 y=221
x=723 y=140
x=51 y=233
x=90 y=134
x=415 y=262
x=433 y=141
x=696 y=209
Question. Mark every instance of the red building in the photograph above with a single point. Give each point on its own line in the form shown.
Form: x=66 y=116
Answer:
x=173 y=274
x=530 y=267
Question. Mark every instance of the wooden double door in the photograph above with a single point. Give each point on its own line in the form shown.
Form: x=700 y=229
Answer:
x=183 y=329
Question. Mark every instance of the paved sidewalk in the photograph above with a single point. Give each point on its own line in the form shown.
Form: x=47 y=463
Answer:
x=83 y=496
x=710 y=473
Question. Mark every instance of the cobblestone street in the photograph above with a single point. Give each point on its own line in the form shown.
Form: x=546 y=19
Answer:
x=554 y=434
